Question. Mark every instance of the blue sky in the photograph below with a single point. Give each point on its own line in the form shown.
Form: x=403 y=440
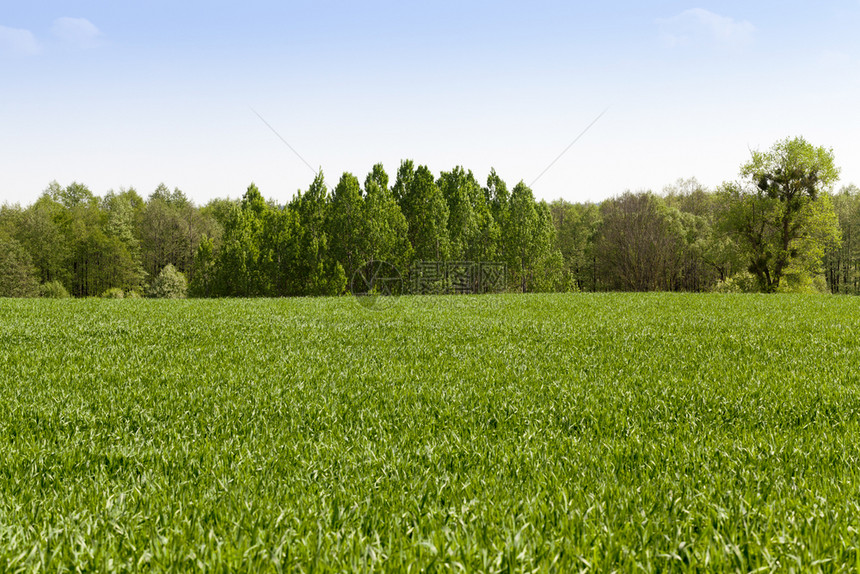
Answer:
x=130 y=94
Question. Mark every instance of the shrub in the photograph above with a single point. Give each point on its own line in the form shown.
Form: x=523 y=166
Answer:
x=53 y=290
x=794 y=281
x=743 y=282
x=170 y=284
x=113 y=293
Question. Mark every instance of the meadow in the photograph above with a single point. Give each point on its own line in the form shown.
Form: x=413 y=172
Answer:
x=499 y=433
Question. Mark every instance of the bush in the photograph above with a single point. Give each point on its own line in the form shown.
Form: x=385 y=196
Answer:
x=170 y=284
x=53 y=290
x=743 y=282
x=113 y=293
x=802 y=282
x=132 y=295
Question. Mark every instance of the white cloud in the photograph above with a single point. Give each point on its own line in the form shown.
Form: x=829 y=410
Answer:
x=18 y=41
x=76 y=31
x=698 y=25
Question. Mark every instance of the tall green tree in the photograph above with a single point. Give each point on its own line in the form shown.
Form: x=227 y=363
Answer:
x=41 y=230
x=73 y=195
x=170 y=228
x=842 y=262
x=17 y=273
x=712 y=255
x=316 y=271
x=577 y=226
x=497 y=198
x=642 y=243
x=204 y=266
x=90 y=255
x=534 y=261
x=241 y=259
x=387 y=230
x=347 y=225
x=425 y=211
x=550 y=272
x=45 y=231
x=10 y=219
x=455 y=186
x=472 y=229
x=281 y=244
x=100 y=262
x=782 y=216
x=122 y=210
x=162 y=236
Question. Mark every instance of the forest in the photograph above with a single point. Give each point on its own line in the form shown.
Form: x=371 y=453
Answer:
x=781 y=226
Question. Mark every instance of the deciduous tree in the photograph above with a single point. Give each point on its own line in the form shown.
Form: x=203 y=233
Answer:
x=387 y=230
x=17 y=273
x=781 y=215
x=425 y=210
x=641 y=243
x=534 y=262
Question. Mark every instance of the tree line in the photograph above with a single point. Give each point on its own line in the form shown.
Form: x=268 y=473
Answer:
x=779 y=227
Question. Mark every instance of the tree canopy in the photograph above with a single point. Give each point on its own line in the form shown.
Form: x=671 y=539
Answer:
x=782 y=213
x=778 y=227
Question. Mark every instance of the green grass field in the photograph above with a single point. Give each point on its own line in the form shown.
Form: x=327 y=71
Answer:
x=495 y=433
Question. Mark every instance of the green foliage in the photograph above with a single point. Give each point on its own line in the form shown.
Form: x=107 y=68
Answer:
x=316 y=271
x=46 y=230
x=783 y=219
x=842 y=262
x=712 y=255
x=281 y=246
x=425 y=210
x=242 y=258
x=347 y=225
x=577 y=226
x=792 y=170
x=53 y=290
x=497 y=196
x=10 y=220
x=72 y=196
x=460 y=191
x=802 y=282
x=219 y=211
x=550 y=273
x=203 y=279
x=741 y=282
x=170 y=229
x=175 y=198
x=17 y=274
x=170 y=284
x=113 y=293
x=387 y=229
x=547 y=433
x=529 y=244
x=783 y=224
x=643 y=243
x=98 y=261
x=520 y=235
x=122 y=211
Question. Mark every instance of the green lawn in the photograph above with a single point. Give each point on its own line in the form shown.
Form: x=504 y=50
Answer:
x=493 y=433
